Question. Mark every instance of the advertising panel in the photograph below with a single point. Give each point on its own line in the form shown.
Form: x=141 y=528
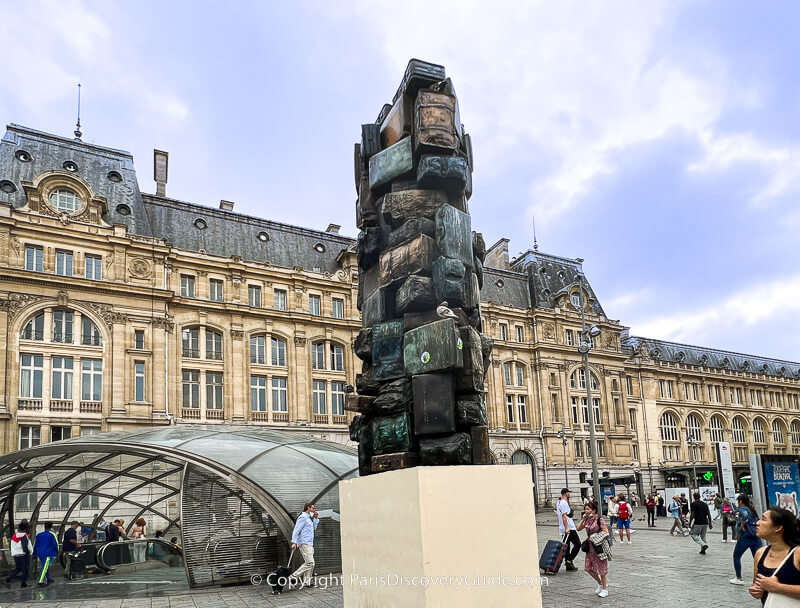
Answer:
x=782 y=483
x=725 y=464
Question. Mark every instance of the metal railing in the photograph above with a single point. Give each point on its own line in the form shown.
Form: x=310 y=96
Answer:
x=59 y=336
x=140 y=553
x=29 y=334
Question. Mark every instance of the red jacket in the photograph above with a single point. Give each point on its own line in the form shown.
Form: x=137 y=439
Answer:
x=650 y=503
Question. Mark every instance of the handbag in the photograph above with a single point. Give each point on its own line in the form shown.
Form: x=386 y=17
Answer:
x=585 y=546
x=776 y=600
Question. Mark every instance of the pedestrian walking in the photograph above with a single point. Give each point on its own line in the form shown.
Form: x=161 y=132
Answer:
x=566 y=527
x=776 y=569
x=139 y=530
x=700 y=522
x=613 y=511
x=661 y=506
x=728 y=520
x=675 y=512
x=595 y=565
x=634 y=499
x=717 y=506
x=746 y=521
x=303 y=537
x=650 y=504
x=21 y=550
x=624 y=515
x=45 y=549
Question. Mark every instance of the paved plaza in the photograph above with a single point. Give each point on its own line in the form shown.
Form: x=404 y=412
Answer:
x=655 y=568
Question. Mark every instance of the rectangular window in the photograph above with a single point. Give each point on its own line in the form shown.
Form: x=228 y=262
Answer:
x=717 y=394
x=215 y=290
x=34 y=258
x=258 y=393
x=578 y=448
x=59 y=433
x=337 y=398
x=520 y=375
x=314 y=305
x=138 y=381
x=257 y=350
x=30 y=377
x=187 y=286
x=278 y=351
x=29 y=437
x=755 y=397
x=318 y=355
x=665 y=388
x=320 y=406
x=522 y=408
x=91 y=380
x=90 y=501
x=213 y=390
x=510 y=407
x=138 y=339
x=254 y=296
x=629 y=385
x=337 y=308
x=61 y=387
x=507 y=373
x=574 y=403
x=632 y=419
x=337 y=358
x=555 y=406
x=601 y=448
x=90 y=430
x=213 y=345
x=94 y=267
x=520 y=334
x=280 y=299
x=279 y=397
x=635 y=451
x=64 y=263
x=503 y=331
x=596 y=409
x=190 y=381
x=62 y=326
x=59 y=501
x=190 y=343
x=570 y=337
x=553 y=379
x=695 y=388
x=738 y=394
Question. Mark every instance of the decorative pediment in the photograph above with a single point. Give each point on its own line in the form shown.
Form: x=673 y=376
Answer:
x=85 y=206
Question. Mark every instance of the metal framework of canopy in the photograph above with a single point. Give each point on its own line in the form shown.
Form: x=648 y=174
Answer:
x=232 y=492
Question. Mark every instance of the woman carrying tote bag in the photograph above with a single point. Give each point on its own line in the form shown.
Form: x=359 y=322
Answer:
x=776 y=569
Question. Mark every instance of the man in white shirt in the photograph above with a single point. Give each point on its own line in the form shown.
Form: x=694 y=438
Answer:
x=566 y=526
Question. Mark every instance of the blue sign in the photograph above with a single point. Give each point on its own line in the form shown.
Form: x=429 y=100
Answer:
x=782 y=483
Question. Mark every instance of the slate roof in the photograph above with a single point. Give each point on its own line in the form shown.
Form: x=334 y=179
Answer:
x=49 y=152
x=662 y=350
x=505 y=288
x=550 y=276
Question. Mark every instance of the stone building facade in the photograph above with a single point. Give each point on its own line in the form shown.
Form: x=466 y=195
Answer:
x=120 y=309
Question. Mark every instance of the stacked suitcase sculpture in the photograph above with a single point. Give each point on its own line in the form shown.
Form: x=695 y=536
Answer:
x=420 y=397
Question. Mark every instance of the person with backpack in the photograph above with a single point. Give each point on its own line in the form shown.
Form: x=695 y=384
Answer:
x=21 y=549
x=624 y=514
x=746 y=523
x=650 y=504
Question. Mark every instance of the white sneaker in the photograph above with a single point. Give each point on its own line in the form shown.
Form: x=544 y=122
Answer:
x=603 y=593
x=724 y=540
x=598 y=590
x=736 y=581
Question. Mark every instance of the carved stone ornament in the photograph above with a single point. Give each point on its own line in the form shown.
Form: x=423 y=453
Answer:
x=104 y=311
x=63 y=297
x=237 y=334
x=164 y=324
x=300 y=341
x=18 y=301
x=140 y=268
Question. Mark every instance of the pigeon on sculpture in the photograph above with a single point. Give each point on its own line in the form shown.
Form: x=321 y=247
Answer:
x=348 y=388
x=444 y=312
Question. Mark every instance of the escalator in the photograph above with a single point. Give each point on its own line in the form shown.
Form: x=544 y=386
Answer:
x=137 y=555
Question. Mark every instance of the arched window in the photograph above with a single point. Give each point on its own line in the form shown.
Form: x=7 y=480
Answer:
x=758 y=431
x=777 y=432
x=257 y=350
x=190 y=342
x=522 y=457
x=669 y=427
x=717 y=429
x=64 y=199
x=90 y=334
x=513 y=374
x=213 y=345
x=578 y=379
x=795 y=430
x=693 y=428
x=739 y=435
x=34 y=329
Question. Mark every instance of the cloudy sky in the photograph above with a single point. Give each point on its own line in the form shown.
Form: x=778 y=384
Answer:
x=659 y=141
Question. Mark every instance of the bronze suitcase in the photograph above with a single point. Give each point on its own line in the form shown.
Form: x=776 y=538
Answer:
x=434 y=122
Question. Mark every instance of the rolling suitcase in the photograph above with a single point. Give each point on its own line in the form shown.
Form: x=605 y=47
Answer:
x=280 y=578
x=552 y=556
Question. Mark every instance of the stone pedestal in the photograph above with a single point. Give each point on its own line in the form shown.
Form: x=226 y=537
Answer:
x=440 y=537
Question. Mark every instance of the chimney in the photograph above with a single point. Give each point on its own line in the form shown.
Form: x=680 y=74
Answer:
x=333 y=228
x=226 y=205
x=160 y=169
x=497 y=255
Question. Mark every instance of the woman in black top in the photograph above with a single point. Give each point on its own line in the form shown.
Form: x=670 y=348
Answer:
x=777 y=566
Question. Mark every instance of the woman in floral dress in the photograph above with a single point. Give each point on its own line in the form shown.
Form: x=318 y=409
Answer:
x=596 y=567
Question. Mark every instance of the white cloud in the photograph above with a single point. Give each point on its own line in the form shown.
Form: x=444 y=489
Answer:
x=751 y=306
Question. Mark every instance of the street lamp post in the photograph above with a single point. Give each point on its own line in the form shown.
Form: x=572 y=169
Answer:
x=584 y=347
x=692 y=443
x=563 y=437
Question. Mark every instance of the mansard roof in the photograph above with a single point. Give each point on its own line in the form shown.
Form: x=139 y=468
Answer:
x=505 y=287
x=673 y=352
x=551 y=276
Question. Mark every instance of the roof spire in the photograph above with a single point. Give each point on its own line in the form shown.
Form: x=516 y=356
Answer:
x=78 y=124
x=535 y=244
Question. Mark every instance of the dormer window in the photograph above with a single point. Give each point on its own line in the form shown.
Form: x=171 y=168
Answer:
x=576 y=300
x=66 y=200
